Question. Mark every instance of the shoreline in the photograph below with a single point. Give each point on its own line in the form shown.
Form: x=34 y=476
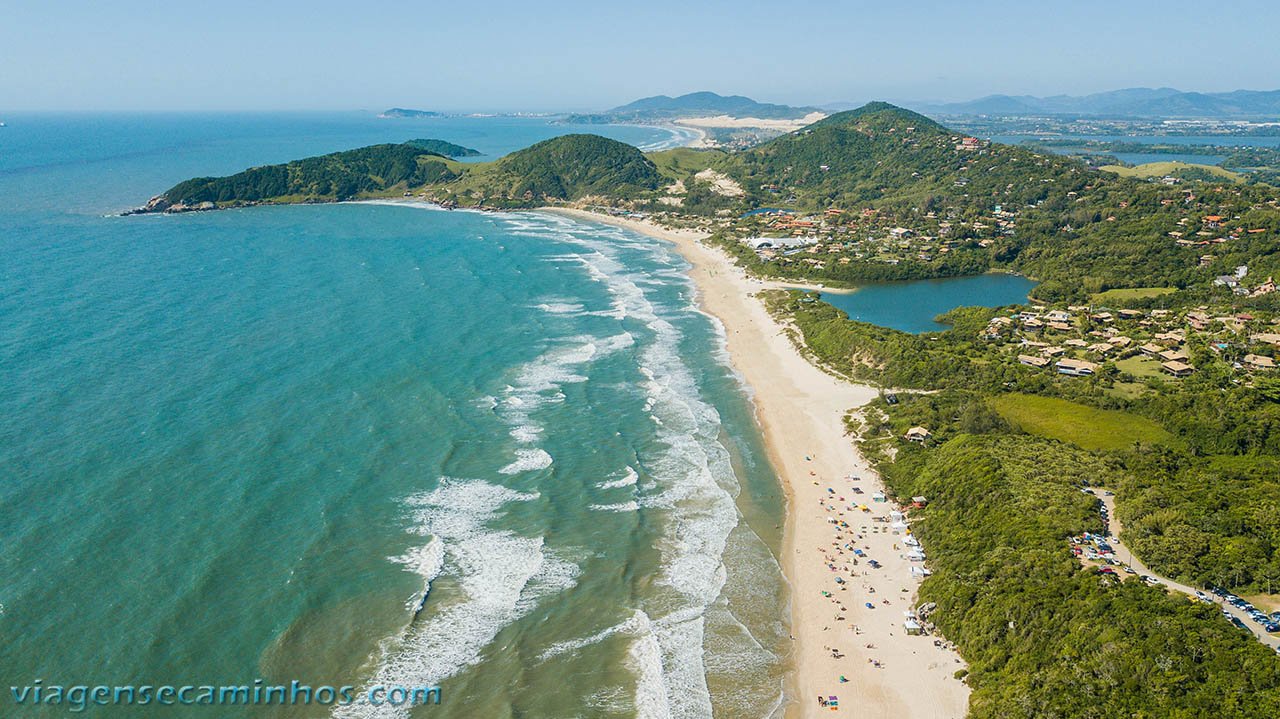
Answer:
x=800 y=410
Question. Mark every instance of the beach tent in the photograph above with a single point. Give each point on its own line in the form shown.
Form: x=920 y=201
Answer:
x=915 y=555
x=913 y=627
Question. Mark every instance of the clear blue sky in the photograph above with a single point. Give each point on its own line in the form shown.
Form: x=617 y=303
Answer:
x=569 y=54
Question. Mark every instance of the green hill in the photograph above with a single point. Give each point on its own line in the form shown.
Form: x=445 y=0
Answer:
x=441 y=147
x=889 y=156
x=336 y=176
x=568 y=167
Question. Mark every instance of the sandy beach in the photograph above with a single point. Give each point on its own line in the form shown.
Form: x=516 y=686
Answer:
x=725 y=121
x=852 y=628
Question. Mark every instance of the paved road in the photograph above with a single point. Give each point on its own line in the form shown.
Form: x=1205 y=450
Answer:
x=1124 y=554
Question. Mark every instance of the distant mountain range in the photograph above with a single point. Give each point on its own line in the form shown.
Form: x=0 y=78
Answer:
x=694 y=104
x=1138 y=102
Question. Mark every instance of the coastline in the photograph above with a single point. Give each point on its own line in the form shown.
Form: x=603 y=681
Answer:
x=800 y=409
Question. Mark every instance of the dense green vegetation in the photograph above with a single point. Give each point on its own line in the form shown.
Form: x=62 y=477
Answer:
x=1042 y=636
x=566 y=168
x=441 y=147
x=1205 y=521
x=337 y=176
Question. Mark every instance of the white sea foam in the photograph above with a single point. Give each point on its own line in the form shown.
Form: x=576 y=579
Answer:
x=694 y=484
x=425 y=561
x=501 y=576
x=644 y=659
x=560 y=308
x=528 y=460
x=620 y=507
x=628 y=479
x=634 y=624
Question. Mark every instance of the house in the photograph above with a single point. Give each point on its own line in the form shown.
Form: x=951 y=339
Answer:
x=1259 y=362
x=1076 y=368
x=1174 y=355
x=1076 y=343
x=1100 y=348
x=917 y=434
x=1120 y=341
x=1177 y=369
x=1151 y=350
x=1058 y=316
x=1060 y=326
x=1032 y=361
x=1033 y=325
x=1270 y=338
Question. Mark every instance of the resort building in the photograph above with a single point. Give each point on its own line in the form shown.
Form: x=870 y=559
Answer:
x=1076 y=368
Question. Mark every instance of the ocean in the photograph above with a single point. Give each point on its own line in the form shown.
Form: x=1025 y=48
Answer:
x=366 y=444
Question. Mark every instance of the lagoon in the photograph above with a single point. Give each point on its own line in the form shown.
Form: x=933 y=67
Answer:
x=911 y=306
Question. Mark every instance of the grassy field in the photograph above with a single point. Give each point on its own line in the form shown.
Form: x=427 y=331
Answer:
x=1129 y=390
x=1140 y=367
x=1160 y=169
x=683 y=161
x=1087 y=427
x=1131 y=293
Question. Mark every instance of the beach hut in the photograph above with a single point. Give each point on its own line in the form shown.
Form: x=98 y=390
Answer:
x=917 y=434
x=919 y=502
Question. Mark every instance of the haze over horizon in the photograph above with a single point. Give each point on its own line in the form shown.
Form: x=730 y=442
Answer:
x=76 y=55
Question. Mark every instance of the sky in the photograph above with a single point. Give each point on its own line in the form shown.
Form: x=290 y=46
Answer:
x=500 y=55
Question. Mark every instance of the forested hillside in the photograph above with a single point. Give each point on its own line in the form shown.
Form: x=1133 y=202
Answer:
x=337 y=176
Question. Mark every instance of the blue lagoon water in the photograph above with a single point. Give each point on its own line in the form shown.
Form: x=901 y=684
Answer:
x=366 y=443
x=912 y=306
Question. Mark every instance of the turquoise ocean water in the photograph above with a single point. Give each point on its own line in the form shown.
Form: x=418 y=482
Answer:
x=365 y=443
